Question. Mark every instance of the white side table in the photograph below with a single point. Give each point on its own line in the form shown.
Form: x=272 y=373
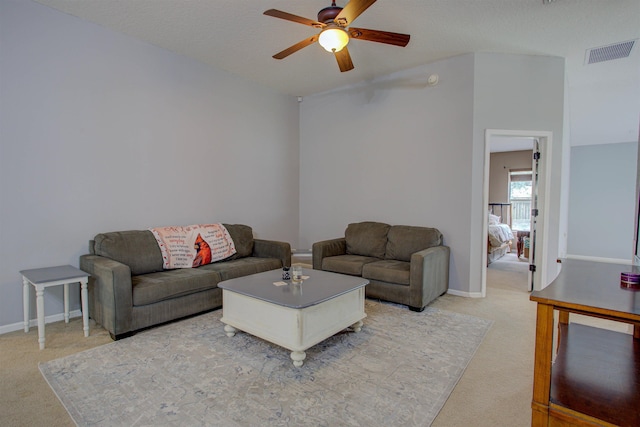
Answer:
x=42 y=278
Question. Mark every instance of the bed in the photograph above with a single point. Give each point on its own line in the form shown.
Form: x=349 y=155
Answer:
x=500 y=237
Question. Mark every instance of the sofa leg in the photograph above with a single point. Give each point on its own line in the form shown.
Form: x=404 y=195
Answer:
x=121 y=336
x=416 y=309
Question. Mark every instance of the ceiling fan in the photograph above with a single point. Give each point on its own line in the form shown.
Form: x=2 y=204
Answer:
x=335 y=21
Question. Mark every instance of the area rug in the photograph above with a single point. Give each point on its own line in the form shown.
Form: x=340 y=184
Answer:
x=398 y=370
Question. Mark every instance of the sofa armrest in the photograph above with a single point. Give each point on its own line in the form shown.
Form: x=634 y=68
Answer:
x=327 y=248
x=429 y=275
x=273 y=249
x=110 y=293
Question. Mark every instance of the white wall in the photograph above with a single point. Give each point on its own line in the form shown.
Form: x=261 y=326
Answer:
x=417 y=156
x=386 y=153
x=518 y=92
x=602 y=201
x=101 y=132
x=614 y=106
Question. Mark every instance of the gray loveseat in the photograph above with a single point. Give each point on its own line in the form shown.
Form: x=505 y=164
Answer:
x=404 y=264
x=129 y=290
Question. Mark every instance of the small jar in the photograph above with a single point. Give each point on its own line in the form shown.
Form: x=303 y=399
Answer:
x=285 y=273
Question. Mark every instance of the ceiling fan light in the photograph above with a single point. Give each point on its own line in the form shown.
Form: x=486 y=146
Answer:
x=333 y=39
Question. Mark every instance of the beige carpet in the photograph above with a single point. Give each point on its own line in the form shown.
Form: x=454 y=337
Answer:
x=495 y=389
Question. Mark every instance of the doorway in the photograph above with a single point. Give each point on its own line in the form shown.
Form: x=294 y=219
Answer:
x=513 y=140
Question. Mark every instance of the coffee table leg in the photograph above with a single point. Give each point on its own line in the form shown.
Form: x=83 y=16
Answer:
x=230 y=330
x=357 y=327
x=298 y=357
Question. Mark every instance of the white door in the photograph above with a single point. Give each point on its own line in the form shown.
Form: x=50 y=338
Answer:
x=535 y=168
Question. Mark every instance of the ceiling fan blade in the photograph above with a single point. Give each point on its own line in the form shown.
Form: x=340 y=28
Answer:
x=294 y=18
x=351 y=11
x=395 y=39
x=296 y=47
x=344 y=59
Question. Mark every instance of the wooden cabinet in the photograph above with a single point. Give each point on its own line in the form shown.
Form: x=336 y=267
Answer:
x=592 y=378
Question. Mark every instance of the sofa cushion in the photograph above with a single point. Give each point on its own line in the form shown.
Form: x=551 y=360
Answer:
x=243 y=267
x=346 y=264
x=242 y=236
x=154 y=287
x=367 y=238
x=387 y=270
x=136 y=248
x=404 y=240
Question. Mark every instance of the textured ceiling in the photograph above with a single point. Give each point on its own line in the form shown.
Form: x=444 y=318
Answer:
x=235 y=36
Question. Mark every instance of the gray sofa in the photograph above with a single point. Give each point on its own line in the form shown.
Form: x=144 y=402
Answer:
x=129 y=290
x=404 y=264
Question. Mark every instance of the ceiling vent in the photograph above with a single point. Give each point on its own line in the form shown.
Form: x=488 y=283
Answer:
x=609 y=53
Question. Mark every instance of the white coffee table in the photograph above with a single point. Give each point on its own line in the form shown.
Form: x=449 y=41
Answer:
x=42 y=278
x=293 y=316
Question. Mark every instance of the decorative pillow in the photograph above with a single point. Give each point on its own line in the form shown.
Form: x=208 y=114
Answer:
x=367 y=238
x=405 y=240
x=494 y=219
x=242 y=236
x=136 y=248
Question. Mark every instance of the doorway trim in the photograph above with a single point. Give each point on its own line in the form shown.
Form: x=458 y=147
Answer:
x=545 y=140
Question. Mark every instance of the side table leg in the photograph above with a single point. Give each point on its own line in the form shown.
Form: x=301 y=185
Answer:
x=25 y=303
x=357 y=327
x=542 y=366
x=85 y=307
x=519 y=244
x=66 y=303
x=40 y=310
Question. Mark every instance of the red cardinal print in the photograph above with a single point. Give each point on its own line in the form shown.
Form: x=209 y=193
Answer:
x=203 y=252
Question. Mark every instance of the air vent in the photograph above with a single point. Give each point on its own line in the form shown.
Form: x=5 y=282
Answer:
x=609 y=53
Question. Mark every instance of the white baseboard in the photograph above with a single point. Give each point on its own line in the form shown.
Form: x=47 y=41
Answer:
x=465 y=294
x=33 y=323
x=599 y=259
x=301 y=253
x=302 y=257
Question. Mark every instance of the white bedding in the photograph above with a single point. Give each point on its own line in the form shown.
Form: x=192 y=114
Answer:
x=499 y=234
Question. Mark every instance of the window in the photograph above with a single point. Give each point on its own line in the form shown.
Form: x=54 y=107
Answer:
x=520 y=191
